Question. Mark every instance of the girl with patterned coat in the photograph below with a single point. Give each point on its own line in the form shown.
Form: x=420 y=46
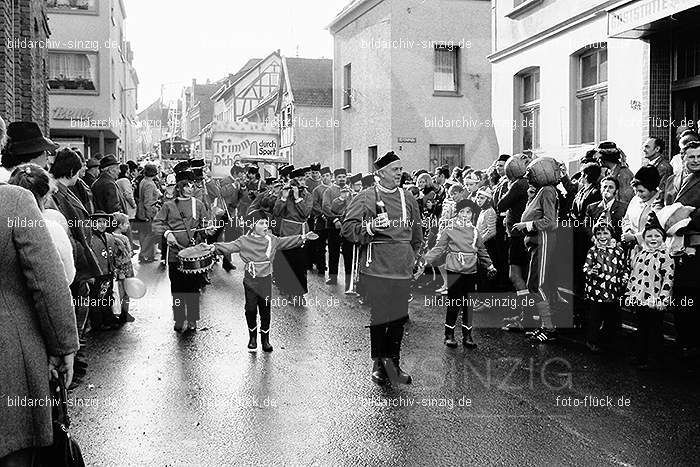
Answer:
x=606 y=272
x=649 y=292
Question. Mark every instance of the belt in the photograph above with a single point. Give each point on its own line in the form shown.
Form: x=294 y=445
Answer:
x=462 y=255
x=380 y=242
x=250 y=267
x=303 y=224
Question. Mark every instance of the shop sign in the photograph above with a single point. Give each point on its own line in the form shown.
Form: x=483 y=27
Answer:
x=67 y=113
x=642 y=12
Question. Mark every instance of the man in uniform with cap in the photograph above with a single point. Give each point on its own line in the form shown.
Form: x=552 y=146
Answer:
x=292 y=210
x=386 y=221
x=105 y=191
x=314 y=178
x=319 y=221
x=335 y=202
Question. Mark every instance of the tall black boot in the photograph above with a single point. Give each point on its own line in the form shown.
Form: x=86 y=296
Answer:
x=265 y=340
x=253 y=341
x=450 y=337
x=378 y=373
x=467 y=340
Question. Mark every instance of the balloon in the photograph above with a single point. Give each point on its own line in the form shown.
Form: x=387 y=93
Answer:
x=135 y=288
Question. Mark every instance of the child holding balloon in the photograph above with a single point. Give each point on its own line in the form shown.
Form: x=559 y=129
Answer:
x=124 y=267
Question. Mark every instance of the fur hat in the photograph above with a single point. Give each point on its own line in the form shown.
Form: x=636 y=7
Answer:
x=385 y=160
x=355 y=178
x=184 y=175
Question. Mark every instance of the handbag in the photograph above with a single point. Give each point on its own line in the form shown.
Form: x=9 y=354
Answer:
x=65 y=451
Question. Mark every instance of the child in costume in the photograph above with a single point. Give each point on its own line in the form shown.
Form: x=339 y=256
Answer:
x=460 y=248
x=101 y=291
x=649 y=292
x=605 y=273
x=124 y=266
x=257 y=250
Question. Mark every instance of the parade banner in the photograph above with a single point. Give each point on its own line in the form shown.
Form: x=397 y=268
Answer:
x=240 y=143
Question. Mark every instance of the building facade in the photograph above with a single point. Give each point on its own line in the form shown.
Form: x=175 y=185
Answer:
x=197 y=109
x=413 y=77
x=24 y=33
x=569 y=74
x=92 y=81
x=306 y=111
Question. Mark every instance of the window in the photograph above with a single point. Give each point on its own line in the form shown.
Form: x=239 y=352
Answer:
x=347 y=85
x=347 y=159
x=72 y=6
x=371 y=156
x=73 y=72
x=529 y=82
x=446 y=73
x=592 y=95
x=451 y=155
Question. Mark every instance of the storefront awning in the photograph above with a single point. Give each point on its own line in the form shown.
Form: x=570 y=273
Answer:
x=641 y=18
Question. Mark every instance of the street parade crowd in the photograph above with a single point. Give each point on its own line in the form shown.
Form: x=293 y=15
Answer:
x=582 y=248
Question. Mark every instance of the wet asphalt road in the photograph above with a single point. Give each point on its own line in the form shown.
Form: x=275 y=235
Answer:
x=152 y=397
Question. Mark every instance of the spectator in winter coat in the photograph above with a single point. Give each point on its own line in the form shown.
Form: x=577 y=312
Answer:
x=105 y=191
x=38 y=332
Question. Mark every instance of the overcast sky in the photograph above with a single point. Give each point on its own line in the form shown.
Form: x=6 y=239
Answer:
x=177 y=40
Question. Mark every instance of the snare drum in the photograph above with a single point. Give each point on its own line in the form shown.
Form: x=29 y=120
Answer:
x=196 y=259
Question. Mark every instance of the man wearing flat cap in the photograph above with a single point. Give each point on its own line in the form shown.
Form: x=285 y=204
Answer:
x=25 y=143
x=104 y=190
x=386 y=221
x=314 y=178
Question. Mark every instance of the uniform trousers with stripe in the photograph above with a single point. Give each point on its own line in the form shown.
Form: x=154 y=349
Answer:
x=258 y=293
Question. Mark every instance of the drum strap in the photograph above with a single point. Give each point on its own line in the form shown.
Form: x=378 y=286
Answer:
x=190 y=237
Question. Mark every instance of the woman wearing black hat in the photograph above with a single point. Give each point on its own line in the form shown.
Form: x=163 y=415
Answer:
x=646 y=199
x=25 y=143
x=613 y=159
